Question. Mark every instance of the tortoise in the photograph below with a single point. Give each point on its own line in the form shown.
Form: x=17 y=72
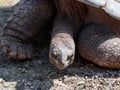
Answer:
x=76 y=24
x=96 y=31
x=99 y=40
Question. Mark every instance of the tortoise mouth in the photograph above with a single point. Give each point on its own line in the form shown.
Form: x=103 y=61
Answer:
x=111 y=7
x=59 y=65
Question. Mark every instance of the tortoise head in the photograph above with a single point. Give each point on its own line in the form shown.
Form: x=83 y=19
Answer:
x=61 y=58
x=62 y=52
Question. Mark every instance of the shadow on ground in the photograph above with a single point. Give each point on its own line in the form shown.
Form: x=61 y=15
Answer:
x=40 y=74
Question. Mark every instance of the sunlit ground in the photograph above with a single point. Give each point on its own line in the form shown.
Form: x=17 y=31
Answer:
x=8 y=85
x=40 y=73
x=8 y=3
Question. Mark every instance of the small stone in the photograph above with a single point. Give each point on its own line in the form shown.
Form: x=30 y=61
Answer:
x=65 y=76
x=23 y=80
x=82 y=86
x=1 y=80
x=81 y=82
x=60 y=79
x=115 y=43
x=6 y=84
x=39 y=62
x=86 y=77
x=29 y=83
x=95 y=77
x=31 y=87
x=23 y=71
x=25 y=84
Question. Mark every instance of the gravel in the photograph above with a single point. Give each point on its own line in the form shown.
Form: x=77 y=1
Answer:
x=40 y=74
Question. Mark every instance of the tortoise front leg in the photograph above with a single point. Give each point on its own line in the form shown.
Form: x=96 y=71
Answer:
x=62 y=47
x=67 y=24
x=100 y=45
x=23 y=26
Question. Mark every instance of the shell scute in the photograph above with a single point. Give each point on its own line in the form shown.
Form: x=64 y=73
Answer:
x=112 y=7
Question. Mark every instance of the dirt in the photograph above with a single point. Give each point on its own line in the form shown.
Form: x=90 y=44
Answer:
x=40 y=74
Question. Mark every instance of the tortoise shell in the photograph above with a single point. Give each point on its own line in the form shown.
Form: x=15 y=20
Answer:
x=112 y=7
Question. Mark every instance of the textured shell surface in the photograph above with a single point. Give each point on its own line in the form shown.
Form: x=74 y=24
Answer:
x=112 y=7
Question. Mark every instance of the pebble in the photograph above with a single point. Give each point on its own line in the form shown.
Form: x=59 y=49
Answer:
x=1 y=80
x=88 y=77
x=29 y=83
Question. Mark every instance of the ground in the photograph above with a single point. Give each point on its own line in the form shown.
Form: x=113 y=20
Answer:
x=40 y=74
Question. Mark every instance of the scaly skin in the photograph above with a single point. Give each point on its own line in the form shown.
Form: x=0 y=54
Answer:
x=23 y=26
x=67 y=24
x=99 y=41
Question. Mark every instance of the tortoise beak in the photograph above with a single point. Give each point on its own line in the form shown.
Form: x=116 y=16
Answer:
x=61 y=61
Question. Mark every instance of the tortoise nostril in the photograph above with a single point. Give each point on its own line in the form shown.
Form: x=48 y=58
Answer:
x=70 y=57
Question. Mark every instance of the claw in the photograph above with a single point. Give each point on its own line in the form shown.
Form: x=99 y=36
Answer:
x=16 y=50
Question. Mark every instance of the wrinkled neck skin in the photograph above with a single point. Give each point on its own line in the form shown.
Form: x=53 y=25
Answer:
x=72 y=12
x=71 y=17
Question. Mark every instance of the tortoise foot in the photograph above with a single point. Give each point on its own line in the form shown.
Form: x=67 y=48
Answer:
x=15 y=49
